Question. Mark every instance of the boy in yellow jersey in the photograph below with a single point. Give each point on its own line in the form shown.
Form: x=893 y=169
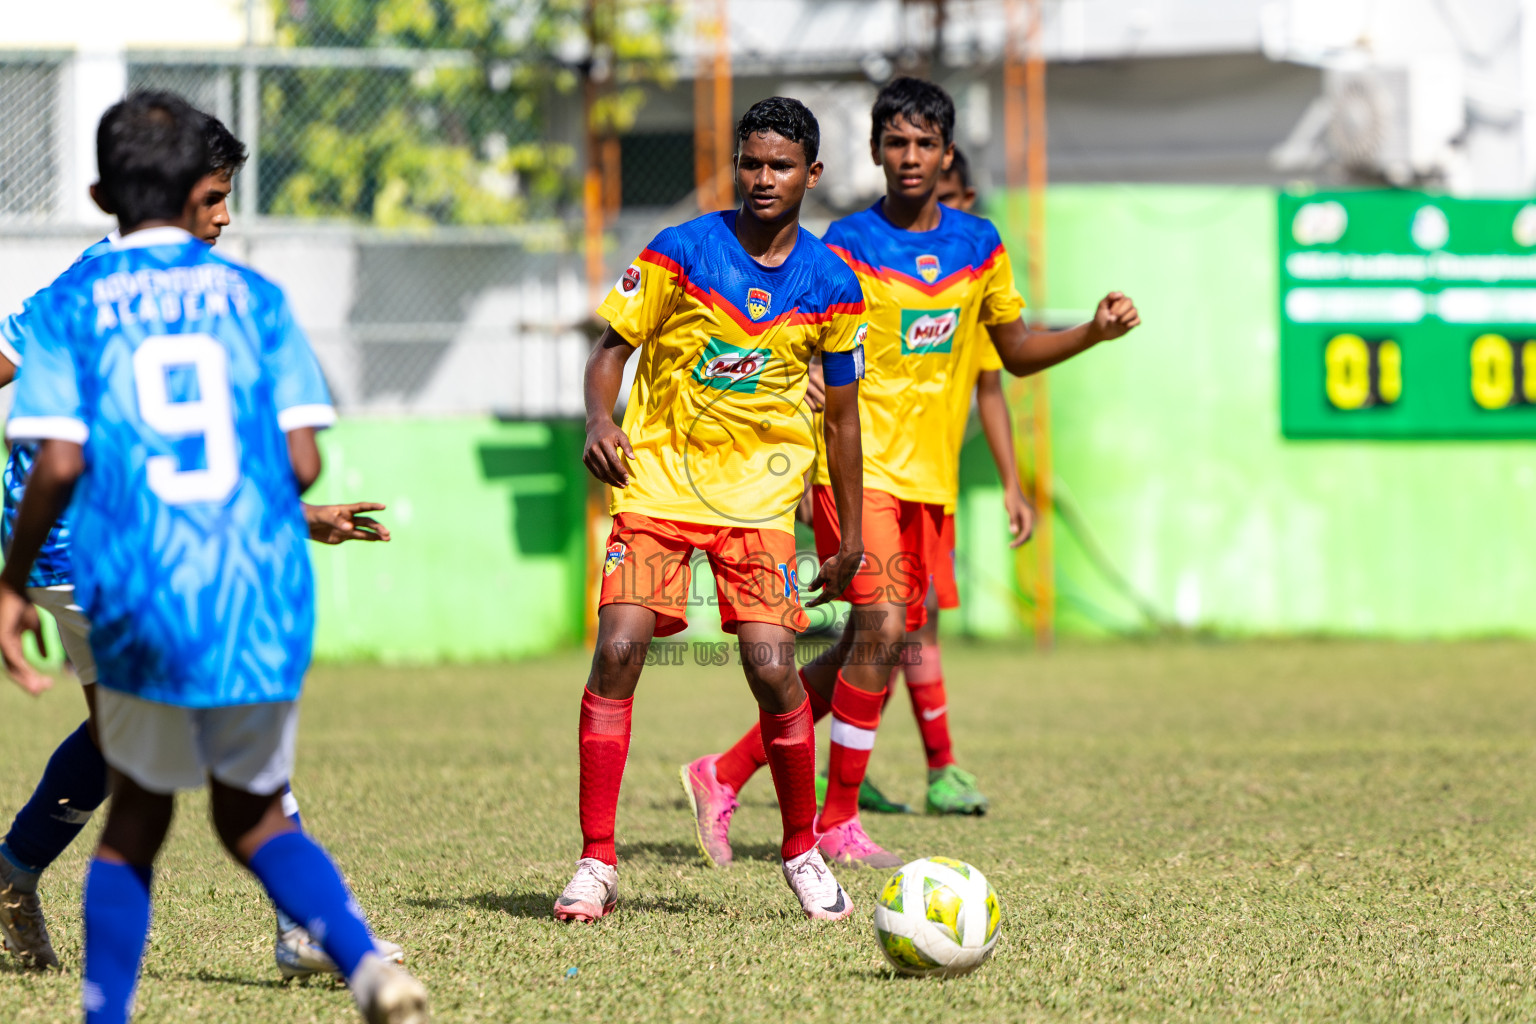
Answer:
x=930 y=275
x=951 y=789
x=727 y=312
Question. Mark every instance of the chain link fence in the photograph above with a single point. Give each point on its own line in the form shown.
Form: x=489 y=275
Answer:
x=414 y=184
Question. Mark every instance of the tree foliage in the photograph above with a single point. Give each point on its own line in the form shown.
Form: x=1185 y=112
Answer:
x=467 y=136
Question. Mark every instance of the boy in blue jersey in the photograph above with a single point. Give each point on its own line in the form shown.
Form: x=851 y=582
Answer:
x=177 y=390
x=75 y=781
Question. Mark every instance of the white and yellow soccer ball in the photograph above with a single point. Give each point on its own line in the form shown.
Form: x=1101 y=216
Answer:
x=937 y=918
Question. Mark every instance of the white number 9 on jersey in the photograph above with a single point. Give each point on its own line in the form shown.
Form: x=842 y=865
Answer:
x=210 y=415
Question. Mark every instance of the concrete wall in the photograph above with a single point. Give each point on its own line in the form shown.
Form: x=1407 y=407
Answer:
x=488 y=556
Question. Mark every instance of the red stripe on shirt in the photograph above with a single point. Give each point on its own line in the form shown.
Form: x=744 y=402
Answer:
x=936 y=289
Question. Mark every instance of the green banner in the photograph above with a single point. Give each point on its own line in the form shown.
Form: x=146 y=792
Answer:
x=1405 y=315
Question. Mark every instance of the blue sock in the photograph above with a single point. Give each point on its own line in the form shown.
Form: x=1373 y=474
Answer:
x=306 y=886
x=73 y=785
x=291 y=812
x=116 y=929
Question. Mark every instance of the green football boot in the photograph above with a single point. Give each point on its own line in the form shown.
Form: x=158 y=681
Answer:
x=952 y=790
x=870 y=798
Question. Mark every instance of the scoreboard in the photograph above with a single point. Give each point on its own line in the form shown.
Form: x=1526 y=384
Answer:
x=1406 y=315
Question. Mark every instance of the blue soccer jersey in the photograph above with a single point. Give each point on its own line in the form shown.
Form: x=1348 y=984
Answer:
x=51 y=569
x=179 y=372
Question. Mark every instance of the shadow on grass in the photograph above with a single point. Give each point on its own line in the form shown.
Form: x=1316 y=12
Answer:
x=539 y=906
x=229 y=979
x=12 y=965
x=681 y=804
x=674 y=852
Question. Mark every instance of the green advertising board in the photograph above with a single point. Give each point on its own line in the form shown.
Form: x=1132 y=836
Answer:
x=1406 y=315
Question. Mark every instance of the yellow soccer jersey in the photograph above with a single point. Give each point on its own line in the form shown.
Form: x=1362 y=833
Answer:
x=717 y=417
x=930 y=295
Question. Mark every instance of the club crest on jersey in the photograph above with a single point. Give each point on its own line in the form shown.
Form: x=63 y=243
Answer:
x=928 y=330
x=758 y=301
x=928 y=268
x=630 y=282
x=614 y=558
x=725 y=367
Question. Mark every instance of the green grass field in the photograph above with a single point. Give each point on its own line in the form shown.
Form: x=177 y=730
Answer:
x=1296 y=831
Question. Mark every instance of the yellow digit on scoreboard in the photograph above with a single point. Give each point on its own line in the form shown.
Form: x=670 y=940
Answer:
x=1348 y=362
x=1493 y=371
x=1389 y=371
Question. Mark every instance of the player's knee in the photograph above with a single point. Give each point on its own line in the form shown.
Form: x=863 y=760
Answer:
x=882 y=624
x=616 y=665
x=137 y=822
x=769 y=669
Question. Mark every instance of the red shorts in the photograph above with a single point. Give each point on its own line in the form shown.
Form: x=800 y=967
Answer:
x=647 y=563
x=901 y=546
x=944 y=566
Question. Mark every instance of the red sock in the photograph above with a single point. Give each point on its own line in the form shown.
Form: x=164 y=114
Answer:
x=855 y=717
x=604 y=739
x=930 y=706
x=738 y=764
x=791 y=743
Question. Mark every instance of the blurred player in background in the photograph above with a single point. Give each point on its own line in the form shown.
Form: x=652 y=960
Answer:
x=932 y=276
x=190 y=562
x=726 y=311
x=951 y=789
x=75 y=781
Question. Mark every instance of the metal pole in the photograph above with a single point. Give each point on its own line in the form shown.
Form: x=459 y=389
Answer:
x=593 y=223
x=1025 y=147
x=1045 y=547
x=713 y=131
x=725 y=135
x=250 y=132
x=703 y=114
x=250 y=120
x=592 y=183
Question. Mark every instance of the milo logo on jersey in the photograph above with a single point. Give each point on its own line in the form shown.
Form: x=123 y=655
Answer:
x=727 y=368
x=928 y=330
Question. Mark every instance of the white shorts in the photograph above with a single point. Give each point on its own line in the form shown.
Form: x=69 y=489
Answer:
x=164 y=748
x=74 y=628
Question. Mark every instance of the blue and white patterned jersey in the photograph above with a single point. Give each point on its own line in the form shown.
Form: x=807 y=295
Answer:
x=52 y=566
x=179 y=372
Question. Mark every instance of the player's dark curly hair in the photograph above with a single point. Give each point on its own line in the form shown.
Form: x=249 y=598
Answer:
x=921 y=103
x=150 y=149
x=225 y=152
x=960 y=167
x=783 y=116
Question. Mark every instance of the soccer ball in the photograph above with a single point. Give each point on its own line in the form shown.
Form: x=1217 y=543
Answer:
x=937 y=918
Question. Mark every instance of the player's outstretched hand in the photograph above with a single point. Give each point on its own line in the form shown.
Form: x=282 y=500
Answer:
x=1115 y=318
x=17 y=618
x=1021 y=517
x=333 y=524
x=835 y=575
x=607 y=446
